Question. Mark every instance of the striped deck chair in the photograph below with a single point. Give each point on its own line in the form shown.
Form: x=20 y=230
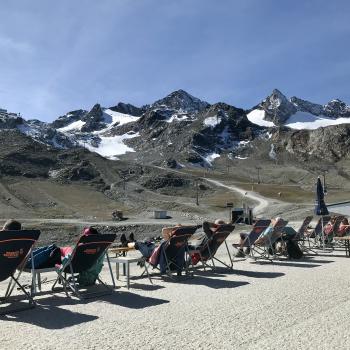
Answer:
x=207 y=250
x=337 y=243
x=259 y=226
x=15 y=249
x=301 y=237
x=316 y=233
x=263 y=247
x=84 y=255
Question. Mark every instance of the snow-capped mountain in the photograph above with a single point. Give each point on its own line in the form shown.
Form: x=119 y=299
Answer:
x=181 y=128
x=295 y=113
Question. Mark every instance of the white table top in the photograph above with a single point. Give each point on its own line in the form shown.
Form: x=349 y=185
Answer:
x=125 y=259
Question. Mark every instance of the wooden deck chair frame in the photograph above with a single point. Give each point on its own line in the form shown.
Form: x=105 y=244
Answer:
x=86 y=246
x=15 y=250
x=218 y=237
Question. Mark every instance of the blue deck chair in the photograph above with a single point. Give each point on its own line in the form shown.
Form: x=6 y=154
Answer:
x=259 y=226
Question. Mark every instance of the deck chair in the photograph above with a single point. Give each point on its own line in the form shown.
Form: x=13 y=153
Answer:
x=15 y=249
x=300 y=237
x=265 y=249
x=259 y=226
x=316 y=233
x=173 y=250
x=84 y=255
x=207 y=250
x=337 y=243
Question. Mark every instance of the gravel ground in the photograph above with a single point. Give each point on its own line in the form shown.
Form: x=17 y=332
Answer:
x=285 y=305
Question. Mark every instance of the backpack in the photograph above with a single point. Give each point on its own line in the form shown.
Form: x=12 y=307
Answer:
x=89 y=276
x=45 y=257
x=293 y=250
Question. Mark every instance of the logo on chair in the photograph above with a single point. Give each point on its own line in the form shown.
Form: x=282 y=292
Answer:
x=13 y=255
x=91 y=251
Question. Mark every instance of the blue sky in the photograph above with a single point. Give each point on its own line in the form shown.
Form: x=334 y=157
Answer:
x=56 y=56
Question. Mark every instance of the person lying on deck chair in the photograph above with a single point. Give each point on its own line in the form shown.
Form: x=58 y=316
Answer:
x=208 y=229
x=12 y=225
x=260 y=240
x=87 y=277
x=329 y=228
x=147 y=247
x=344 y=228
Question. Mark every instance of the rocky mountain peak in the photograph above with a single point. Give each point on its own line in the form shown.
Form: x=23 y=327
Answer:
x=68 y=118
x=9 y=120
x=306 y=106
x=336 y=109
x=127 y=108
x=93 y=119
x=180 y=101
x=277 y=107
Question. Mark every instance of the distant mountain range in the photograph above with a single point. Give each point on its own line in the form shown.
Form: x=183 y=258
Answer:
x=181 y=129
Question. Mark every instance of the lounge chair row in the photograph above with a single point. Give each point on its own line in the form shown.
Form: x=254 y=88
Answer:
x=16 y=247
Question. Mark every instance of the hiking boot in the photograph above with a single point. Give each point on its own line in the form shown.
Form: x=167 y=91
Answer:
x=240 y=254
x=123 y=240
x=141 y=263
x=247 y=251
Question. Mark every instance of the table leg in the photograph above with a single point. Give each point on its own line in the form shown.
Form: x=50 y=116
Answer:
x=117 y=270
x=124 y=270
x=127 y=274
x=39 y=281
x=33 y=289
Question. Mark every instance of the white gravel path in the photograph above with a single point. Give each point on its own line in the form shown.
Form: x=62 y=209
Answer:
x=286 y=305
x=263 y=202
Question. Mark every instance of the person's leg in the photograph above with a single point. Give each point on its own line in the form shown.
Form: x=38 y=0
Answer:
x=240 y=253
x=145 y=249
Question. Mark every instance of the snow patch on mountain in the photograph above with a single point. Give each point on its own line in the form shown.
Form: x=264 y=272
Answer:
x=75 y=126
x=211 y=157
x=257 y=117
x=212 y=121
x=112 y=117
x=177 y=117
x=111 y=147
x=303 y=120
